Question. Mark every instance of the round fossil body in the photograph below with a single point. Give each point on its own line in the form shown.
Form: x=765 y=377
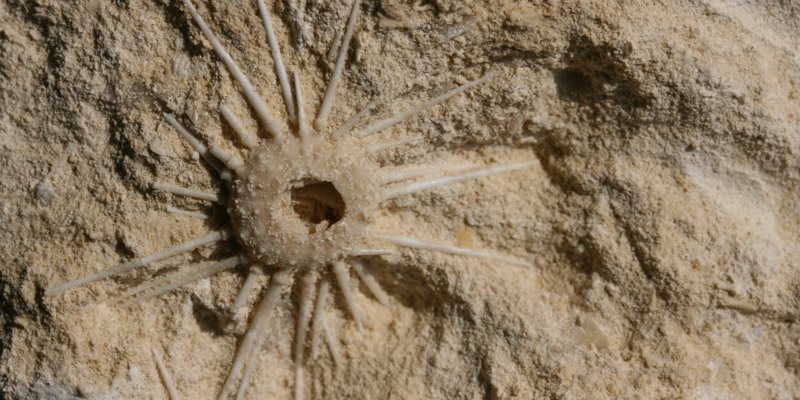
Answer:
x=303 y=209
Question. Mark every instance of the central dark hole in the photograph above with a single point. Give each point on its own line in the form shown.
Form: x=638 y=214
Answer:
x=317 y=202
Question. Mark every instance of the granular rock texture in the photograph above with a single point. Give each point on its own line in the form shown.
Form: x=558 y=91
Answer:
x=663 y=215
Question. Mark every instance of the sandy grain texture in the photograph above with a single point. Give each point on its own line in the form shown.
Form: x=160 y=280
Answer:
x=663 y=215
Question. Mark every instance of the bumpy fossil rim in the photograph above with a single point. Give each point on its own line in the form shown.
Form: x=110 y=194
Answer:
x=298 y=210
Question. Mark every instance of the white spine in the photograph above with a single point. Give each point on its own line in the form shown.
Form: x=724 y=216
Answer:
x=150 y=284
x=276 y=57
x=125 y=267
x=449 y=249
x=247 y=288
x=398 y=176
x=381 y=125
x=371 y=283
x=250 y=93
x=304 y=312
x=394 y=143
x=251 y=343
x=248 y=139
x=370 y=252
x=302 y=126
x=232 y=161
x=169 y=383
x=319 y=309
x=343 y=279
x=200 y=148
x=447 y=180
x=186 y=213
x=327 y=102
x=347 y=126
x=182 y=191
x=194 y=275
x=337 y=359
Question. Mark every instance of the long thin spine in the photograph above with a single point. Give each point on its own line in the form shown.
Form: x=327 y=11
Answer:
x=298 y=382
x=370 y=252
x=449 y=249
x=447 y=180
x=302 y=125
x=169 y=383
x=247 y=347
x=248 y=139
x=316 y=324
x=394 y=143
x=250 y=363
x=327 y=102
x=337 y=359
x=250 y=93
x=347 y=126
x=150 y=284
x=371 y=283
x=231 y=160
x=306 y=295
x=121 y=268
x=186 y=213
x=248 y=368
x=391 y=121
x=276 y=57
x=334 y=46
x=200 y=148
x=398 y=176
x=195 y=275
x=342 y=278
x=182 y=191
x=185 y=275
x=247 y=288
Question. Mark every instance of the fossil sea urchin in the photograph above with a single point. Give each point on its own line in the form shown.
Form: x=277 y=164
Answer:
x=302 y=207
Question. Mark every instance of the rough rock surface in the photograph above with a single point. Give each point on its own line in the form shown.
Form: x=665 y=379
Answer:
x=663 y=216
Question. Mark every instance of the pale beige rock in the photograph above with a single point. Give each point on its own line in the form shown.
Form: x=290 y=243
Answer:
x=663 y=206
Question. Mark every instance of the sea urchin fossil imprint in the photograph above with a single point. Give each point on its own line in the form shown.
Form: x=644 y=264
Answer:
x=301 y=206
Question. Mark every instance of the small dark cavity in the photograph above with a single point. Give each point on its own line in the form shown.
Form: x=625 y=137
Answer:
x=318 y=202
x=574 y=84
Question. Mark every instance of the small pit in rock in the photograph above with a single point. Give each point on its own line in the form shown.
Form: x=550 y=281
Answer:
x=317 y=203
